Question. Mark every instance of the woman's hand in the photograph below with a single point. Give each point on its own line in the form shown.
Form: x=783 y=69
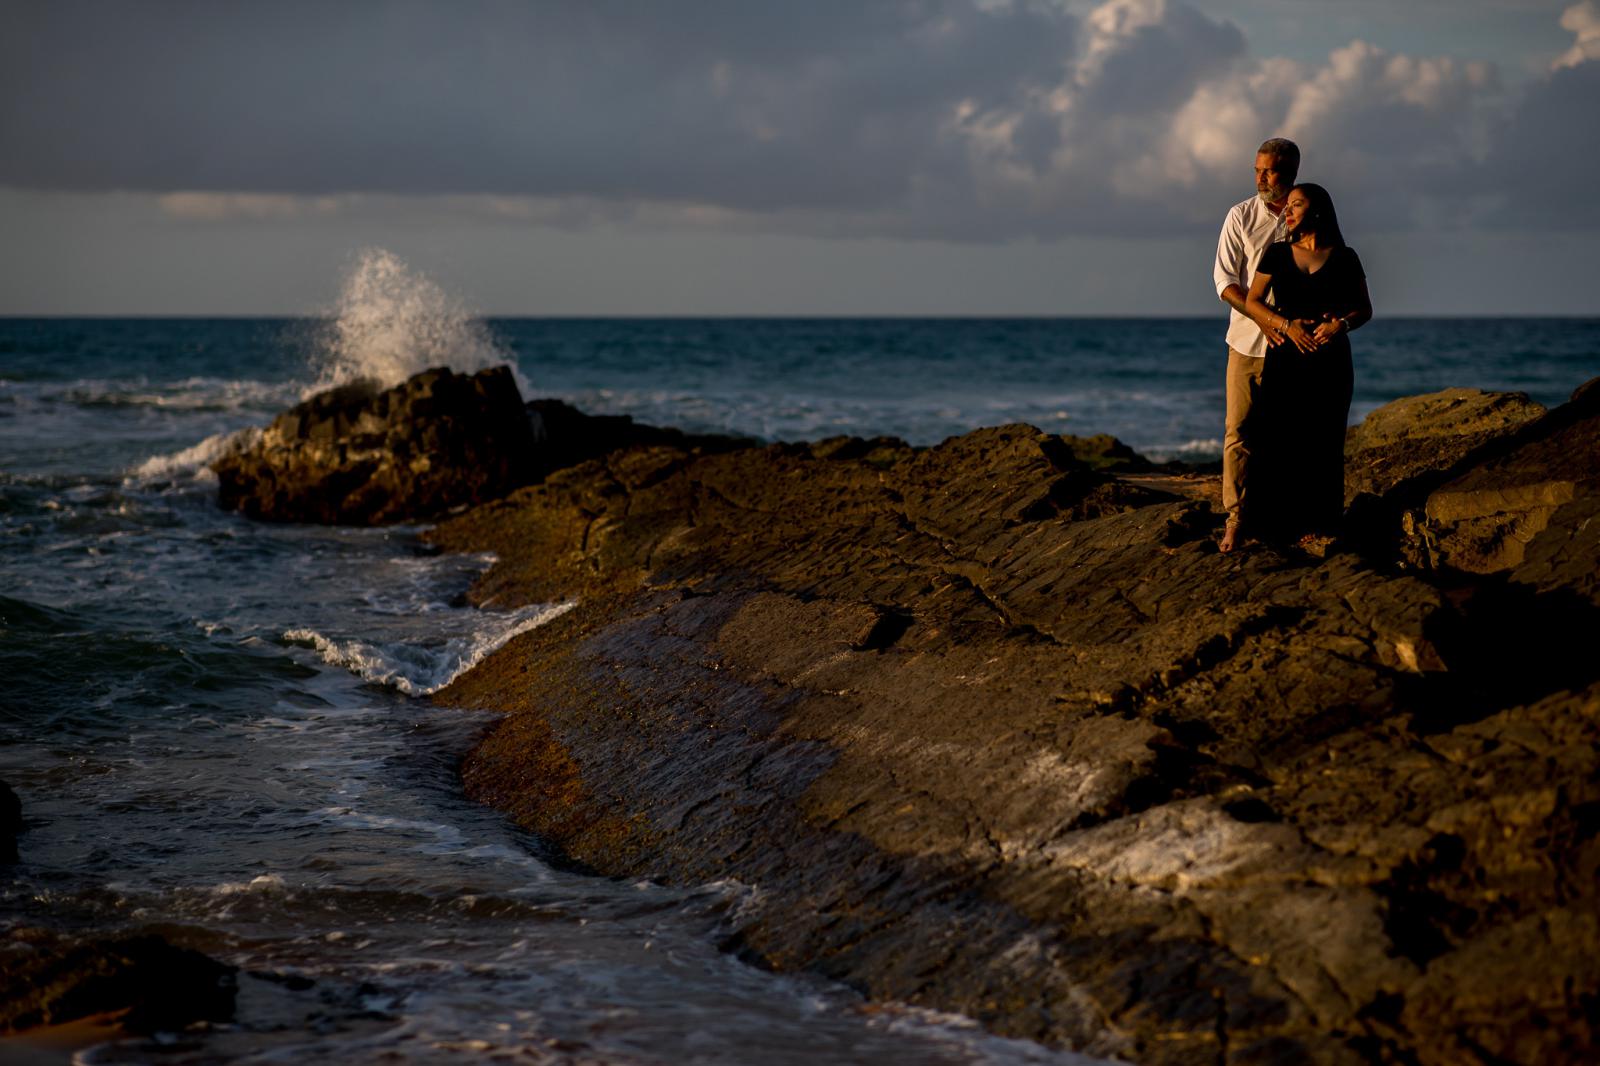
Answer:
x=1300 y=332
x=1272 y=325
x=1329 y=328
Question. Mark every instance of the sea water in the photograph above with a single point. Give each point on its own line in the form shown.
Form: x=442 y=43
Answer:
x=215 y=725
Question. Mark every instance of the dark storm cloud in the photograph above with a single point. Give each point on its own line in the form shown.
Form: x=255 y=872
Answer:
x=1547 y=150
x=721 y=101
x=961 y=119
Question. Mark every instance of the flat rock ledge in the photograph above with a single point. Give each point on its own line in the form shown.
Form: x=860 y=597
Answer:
x=992 y=728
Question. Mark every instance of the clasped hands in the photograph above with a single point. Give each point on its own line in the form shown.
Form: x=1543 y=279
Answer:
x=1307 y=334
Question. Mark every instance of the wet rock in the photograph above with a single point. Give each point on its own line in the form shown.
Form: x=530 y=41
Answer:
x=989 y=728
x=440 y=441
x=359 y=456
x=47 y=978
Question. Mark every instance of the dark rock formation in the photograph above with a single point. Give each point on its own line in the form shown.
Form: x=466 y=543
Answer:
x=990 y=729
x=567 y=436
x=355 y=455
x=1422 y=436
x=358 y=456
x=1540 y=487
x=47 y=978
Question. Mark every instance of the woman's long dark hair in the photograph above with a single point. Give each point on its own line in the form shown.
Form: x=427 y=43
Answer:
x=1322 y=219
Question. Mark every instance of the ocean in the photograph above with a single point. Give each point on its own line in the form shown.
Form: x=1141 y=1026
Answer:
x=217 y=727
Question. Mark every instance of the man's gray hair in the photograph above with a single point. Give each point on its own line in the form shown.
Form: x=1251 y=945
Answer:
x=1285 y=151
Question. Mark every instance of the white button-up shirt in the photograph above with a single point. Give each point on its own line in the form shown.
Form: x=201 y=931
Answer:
x=1246 y=232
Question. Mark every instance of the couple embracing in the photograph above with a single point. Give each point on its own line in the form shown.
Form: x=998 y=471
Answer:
x=1296 y=290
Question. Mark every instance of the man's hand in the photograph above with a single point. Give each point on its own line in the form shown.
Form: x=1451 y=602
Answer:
x=1273 y=334
x=1301 y=335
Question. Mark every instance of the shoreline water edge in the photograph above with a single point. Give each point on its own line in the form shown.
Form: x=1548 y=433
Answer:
x=990 y=727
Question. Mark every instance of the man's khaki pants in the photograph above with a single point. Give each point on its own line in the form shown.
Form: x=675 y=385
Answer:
x=1243 y=387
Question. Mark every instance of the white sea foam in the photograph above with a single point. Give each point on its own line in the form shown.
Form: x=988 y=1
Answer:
x=1191 y=451
x=189 y=394
x=263 y=883
x=420 y=670
x=193 y=461
x=392 y=322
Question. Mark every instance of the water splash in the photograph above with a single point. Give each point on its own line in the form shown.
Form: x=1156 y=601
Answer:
x=192 y=463
x=392 y=322
x=419 y=669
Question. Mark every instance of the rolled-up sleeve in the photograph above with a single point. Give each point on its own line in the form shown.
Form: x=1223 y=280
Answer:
x=1230 y=265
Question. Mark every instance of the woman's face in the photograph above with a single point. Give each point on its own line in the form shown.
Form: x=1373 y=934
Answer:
x=1296 y=210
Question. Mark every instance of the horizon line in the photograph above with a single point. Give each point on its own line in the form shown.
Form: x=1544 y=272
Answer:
x=887 y=316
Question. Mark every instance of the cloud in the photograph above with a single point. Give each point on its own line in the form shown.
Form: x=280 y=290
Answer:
x=960 y=119
x=1545 y=150
x=211 y=206
x=759 y=107
x=1582 y=20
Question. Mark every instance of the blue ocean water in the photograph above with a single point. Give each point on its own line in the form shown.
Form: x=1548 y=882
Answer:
x=214 y=726
x=1154 y=383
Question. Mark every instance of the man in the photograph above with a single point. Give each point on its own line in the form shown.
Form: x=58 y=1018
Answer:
x=1246 y=232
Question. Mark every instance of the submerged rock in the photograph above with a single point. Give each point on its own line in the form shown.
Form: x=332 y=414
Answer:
x=989 y=728
x=47 y=978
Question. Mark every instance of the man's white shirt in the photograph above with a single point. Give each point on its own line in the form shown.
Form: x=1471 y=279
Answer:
x=1246 y=232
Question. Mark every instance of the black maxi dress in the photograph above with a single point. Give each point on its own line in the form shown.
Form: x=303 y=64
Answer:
x=1305 y=399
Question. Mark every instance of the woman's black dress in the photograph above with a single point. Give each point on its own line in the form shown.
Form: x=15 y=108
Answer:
x=1305 y=399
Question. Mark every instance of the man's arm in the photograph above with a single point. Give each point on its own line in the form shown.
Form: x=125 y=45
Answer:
x=1236 y=298
x=1230 y=266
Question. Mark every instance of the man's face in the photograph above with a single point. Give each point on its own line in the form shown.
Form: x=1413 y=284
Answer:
x=1272 y=184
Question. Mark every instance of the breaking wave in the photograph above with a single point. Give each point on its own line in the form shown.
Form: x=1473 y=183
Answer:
x=420 y=670
x=192 y=462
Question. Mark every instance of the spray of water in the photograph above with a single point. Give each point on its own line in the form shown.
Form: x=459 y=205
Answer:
x=392 y=322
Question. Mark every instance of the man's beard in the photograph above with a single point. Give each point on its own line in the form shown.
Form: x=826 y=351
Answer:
x=1274 y=195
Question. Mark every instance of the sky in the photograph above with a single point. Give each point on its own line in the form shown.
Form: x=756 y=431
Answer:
x=729 y=157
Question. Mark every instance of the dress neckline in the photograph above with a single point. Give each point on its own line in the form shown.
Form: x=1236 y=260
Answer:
x=1312 y=273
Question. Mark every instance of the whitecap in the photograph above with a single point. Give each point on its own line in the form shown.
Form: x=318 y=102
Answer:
x=263 y=883
x=187 y=394
x=194 y=461
x=1206 y=448
x=421 y=670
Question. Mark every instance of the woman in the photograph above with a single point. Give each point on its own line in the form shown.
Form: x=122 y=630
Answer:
x=1319 y=294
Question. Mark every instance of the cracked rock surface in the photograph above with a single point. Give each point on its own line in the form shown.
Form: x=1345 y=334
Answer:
x=993 y=728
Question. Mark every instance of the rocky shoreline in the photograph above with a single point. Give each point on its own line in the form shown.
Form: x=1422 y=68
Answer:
x=992 y=727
